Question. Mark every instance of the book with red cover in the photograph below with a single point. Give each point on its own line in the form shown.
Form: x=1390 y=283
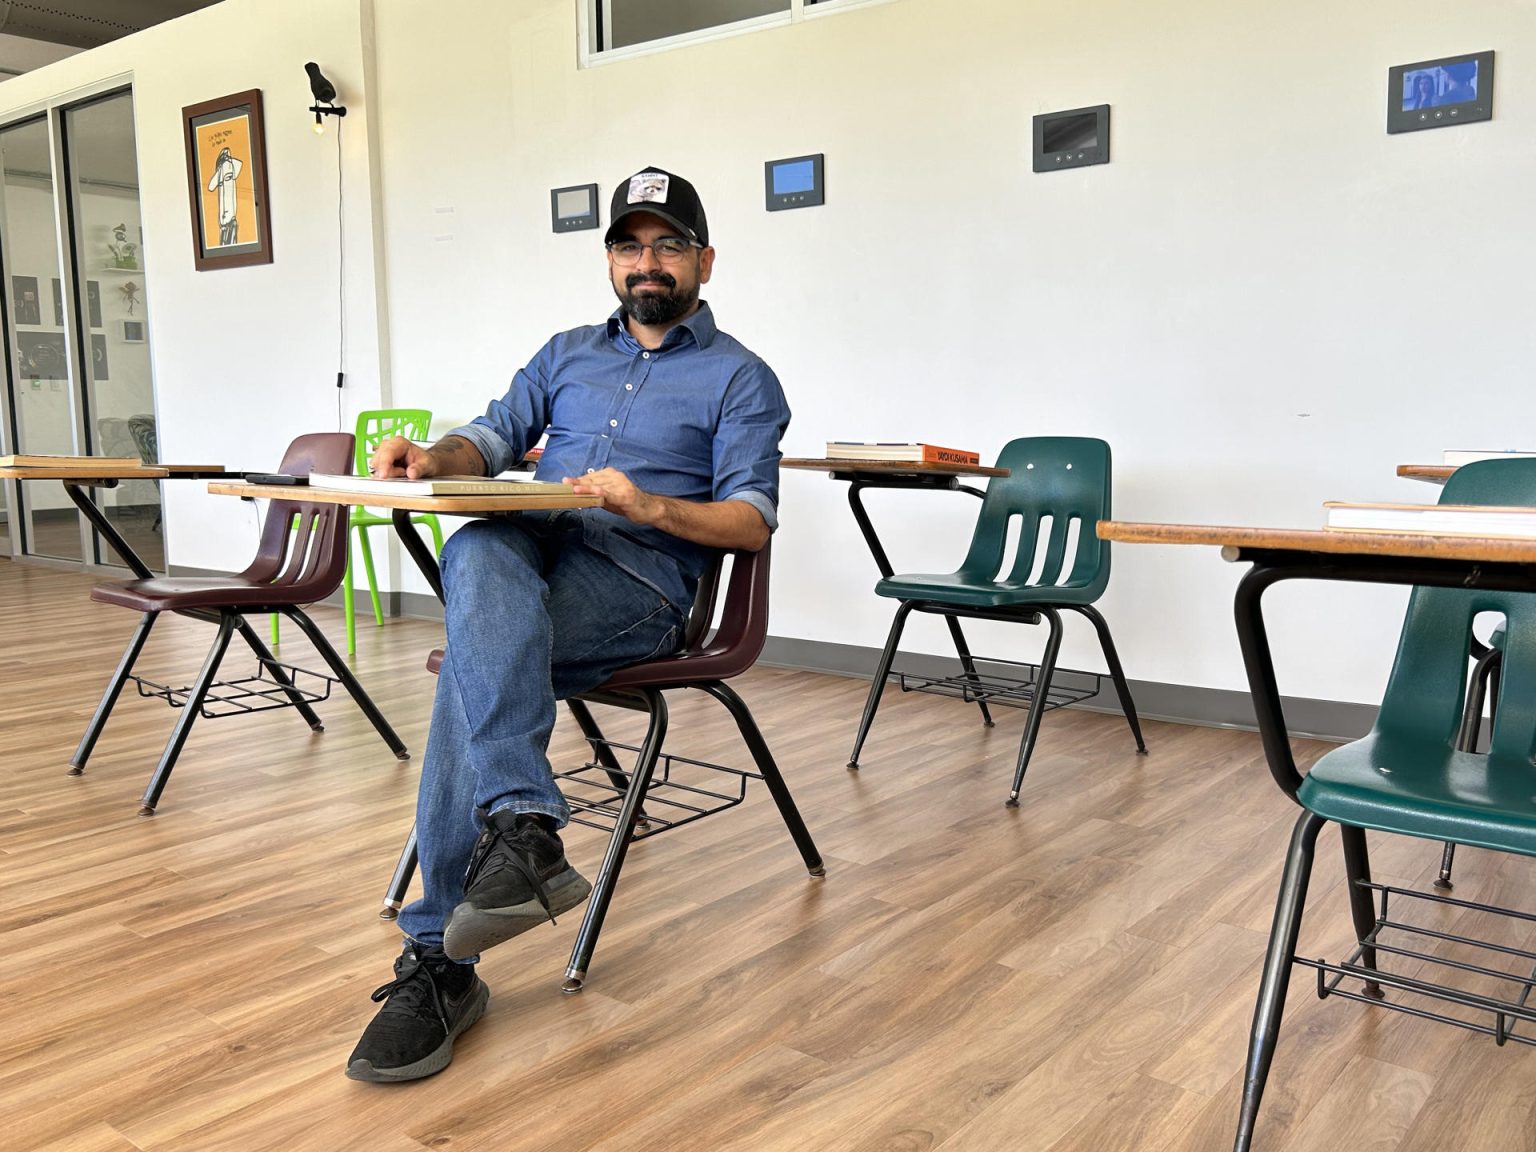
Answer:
x=906 y=453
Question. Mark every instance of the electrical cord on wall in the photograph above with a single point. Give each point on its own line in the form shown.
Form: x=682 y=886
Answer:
x=341 y=281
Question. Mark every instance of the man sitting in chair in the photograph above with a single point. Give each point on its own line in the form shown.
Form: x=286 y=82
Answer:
x=676 y=427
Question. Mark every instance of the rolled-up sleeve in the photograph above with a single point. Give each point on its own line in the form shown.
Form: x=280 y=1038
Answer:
x=746 y=445
x=513 y=424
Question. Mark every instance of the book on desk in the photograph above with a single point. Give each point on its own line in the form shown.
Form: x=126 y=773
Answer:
x=899 y=452
x=74 y=463
x=1488 y=520
x=437 y=485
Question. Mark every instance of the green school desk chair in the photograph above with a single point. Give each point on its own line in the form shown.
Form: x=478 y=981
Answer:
x=1059 y=479
x=373 y=428
x=1414 y=775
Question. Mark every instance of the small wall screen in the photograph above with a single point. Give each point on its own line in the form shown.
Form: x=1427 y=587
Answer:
x=573 y=209
x=794 y=176
x=1072 y=139
x=568 y=204
x=797 y=182
x=1440 y=93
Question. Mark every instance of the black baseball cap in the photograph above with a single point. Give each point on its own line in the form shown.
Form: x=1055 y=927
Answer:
x=661 y=194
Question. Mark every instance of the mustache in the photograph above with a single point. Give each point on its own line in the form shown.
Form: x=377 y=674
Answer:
x=636 y=278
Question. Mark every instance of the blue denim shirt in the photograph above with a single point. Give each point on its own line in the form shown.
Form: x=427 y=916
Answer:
x=699 y=418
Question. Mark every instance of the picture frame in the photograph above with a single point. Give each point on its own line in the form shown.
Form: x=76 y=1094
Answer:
x=225 y=142
x=26 y=307
x=100 y=369
x=40 y=356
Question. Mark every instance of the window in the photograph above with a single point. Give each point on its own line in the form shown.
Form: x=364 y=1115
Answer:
x=631 y=22
x=621 y=28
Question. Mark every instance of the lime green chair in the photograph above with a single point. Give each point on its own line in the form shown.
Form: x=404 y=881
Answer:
x=1415 y=774
x=373 y=428
x=1062 y=479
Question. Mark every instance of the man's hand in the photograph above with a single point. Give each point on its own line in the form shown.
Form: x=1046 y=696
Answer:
x=397 y=456
x=718 y=524
x=618 y=494
x=450 y=456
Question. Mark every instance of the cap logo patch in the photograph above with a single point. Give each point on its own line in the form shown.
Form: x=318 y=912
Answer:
x=648 y=187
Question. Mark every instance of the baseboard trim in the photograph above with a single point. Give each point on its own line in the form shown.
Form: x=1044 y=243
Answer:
x=1179 y=703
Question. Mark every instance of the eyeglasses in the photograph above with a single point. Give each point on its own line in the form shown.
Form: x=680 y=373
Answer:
x=669 y=250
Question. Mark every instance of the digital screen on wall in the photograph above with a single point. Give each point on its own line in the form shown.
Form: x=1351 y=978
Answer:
x=576 y=202
x=798 y=176
x=1440 y=86
x=1071 y=133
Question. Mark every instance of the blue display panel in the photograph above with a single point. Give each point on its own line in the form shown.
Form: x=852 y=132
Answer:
x=793 y=176
x=1440 y=93
x=1441 y=85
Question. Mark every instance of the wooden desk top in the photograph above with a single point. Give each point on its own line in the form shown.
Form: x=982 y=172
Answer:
x=86 y=475
x=474 y=505
x=1434 y=473
x=1415 y=545
x=889 y=467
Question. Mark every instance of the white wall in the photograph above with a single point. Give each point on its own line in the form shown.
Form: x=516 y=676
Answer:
x=1263 y=302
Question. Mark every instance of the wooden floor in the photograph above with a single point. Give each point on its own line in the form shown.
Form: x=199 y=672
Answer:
x=1078 y=974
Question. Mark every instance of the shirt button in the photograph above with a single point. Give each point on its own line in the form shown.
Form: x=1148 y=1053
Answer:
x=591 y=469
x=613 y=423
x=645 y=355
x=629 y=387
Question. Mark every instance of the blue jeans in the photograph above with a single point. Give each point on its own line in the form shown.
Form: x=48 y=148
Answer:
x=533 y=615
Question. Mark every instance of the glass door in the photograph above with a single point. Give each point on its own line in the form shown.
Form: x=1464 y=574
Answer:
x=108 y=254
x=42 y=397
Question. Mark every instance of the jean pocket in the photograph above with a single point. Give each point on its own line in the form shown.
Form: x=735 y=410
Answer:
x=653 y=635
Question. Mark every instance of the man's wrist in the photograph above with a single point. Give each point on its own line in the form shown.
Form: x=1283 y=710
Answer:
x=455 y=454
x=653 y=510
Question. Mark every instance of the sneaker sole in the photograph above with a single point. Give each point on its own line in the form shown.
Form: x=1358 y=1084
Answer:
x=434 y=1062
x=472 y=930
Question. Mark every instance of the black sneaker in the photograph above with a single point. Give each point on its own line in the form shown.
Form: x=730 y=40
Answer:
x=518 y=878
x=430 y=1001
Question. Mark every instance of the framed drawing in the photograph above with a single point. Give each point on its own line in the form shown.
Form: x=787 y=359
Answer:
x=227 y=181
x=40 y=356
x=26 y=308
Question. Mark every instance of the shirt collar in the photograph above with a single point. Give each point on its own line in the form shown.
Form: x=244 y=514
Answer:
x=701 y=326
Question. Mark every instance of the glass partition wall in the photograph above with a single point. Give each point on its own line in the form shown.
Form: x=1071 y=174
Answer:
x=41 y=393
x=79 y=379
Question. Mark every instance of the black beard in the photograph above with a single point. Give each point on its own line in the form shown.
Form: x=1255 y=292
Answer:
x=654 y=308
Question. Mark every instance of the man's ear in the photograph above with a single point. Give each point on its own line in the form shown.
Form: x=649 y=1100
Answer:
x=706 y=264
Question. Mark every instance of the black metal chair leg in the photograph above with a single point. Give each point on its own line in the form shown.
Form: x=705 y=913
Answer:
x=1447 y=859
x=268 y=661
x=1362 y=909
x=772 y=777
x=189 y=714
x=877 y=686
x=602 y=754
x=344 y=674
x=968 y=665
x=618 y=843
x=1277 y=973
x=1484 y=674
x=114 y=689
x=1117 y=674
x=1037 y=701
x=405 y=868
